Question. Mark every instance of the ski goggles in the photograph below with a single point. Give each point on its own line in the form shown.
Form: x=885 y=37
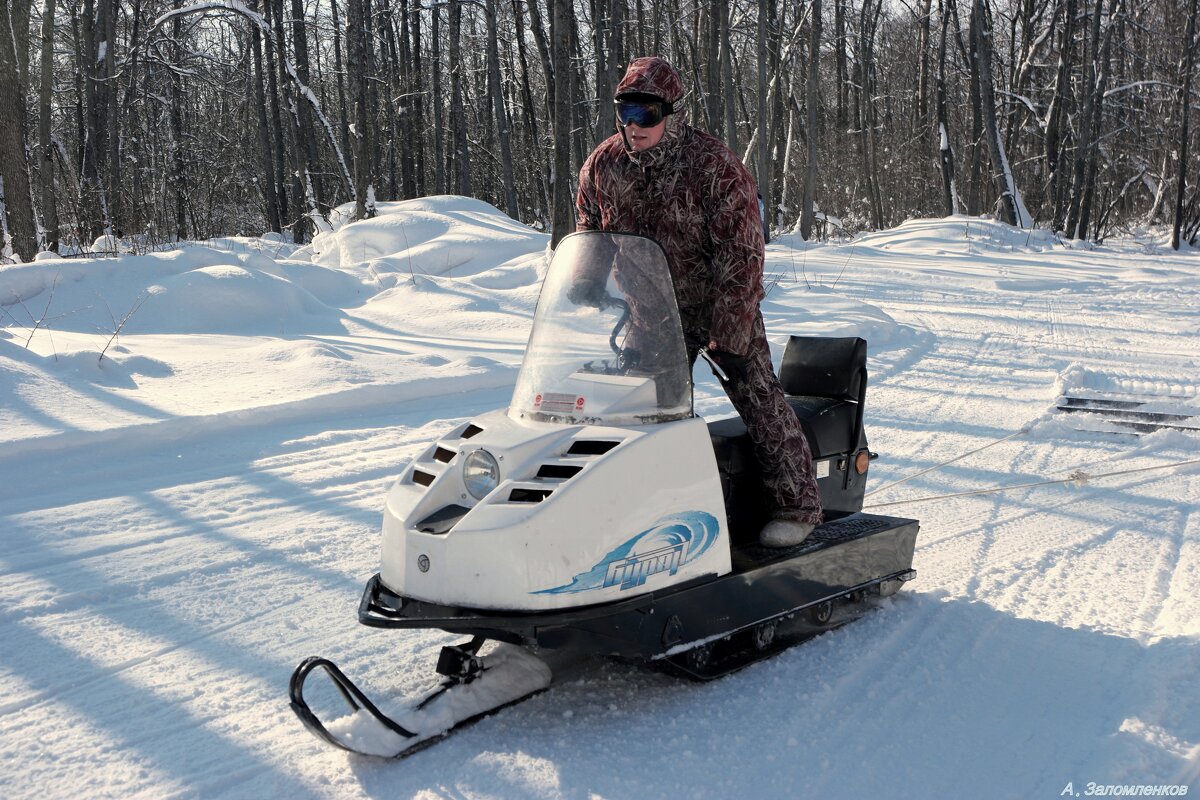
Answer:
x=643 y=113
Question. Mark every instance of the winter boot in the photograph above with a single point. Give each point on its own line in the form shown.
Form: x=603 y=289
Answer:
x=784 y=533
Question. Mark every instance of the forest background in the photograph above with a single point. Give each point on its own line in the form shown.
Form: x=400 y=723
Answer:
x=132 y=124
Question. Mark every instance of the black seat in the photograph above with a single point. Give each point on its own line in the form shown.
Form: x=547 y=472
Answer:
x=826 y=380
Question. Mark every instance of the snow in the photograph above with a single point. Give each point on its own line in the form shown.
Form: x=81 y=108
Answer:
x=188 y=517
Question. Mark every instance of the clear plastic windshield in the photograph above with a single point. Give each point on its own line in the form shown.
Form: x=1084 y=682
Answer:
x=606 y=346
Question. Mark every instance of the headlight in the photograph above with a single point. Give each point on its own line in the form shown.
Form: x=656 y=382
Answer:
x=481 y=473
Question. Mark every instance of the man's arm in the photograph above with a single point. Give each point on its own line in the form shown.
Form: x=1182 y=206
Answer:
x=588 y=285
x=587 y=208
x=737 y=254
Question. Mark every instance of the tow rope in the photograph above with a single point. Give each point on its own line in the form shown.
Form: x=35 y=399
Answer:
x=1078 y=477
x=1021 y=432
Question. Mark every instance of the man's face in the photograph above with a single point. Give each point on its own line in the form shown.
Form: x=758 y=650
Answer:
x=641 y=139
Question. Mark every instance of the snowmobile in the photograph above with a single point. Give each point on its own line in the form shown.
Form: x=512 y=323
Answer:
x=598 y=514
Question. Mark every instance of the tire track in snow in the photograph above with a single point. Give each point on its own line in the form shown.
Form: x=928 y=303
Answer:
x=1168 y=569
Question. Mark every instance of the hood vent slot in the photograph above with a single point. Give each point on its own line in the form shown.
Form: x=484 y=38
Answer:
x=558 y=471
x=471 y=430
x=522 y=495
x=443 y=455
x=442 y=520
x=593 y=447
x=423 y=478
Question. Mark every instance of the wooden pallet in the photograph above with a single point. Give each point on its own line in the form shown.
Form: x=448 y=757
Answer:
x=1130 y=414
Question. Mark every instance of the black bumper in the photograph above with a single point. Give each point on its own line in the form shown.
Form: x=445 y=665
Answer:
x=844 y=556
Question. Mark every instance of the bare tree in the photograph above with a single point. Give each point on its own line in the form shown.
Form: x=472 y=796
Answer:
x=564 y=215
x=15 y=202
x=945 y=151
x=764 y=145
x=49 y=207
x=981 y=53
x=1185 y=93
x=812 y=97
x=360 y=73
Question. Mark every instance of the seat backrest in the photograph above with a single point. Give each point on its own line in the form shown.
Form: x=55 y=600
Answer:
x=820 y=366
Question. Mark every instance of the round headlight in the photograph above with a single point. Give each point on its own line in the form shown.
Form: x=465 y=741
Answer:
x=481 y=473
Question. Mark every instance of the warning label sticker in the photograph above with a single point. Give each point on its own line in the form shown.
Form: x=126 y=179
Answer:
x=558 y=403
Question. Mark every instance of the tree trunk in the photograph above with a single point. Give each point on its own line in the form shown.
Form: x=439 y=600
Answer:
x=417 y=147
x=1093 y=152
x=278 y=152
x=359 y=70
x=808 y=212
x=578 y=88
x=500 y=114
x=601 y=41
x=339 y=71
x=531 y=117
x=868 y=24
x=922 y=105
x=116 y=216
x=1086 y=132
x=543 y=46
x=300 y=199
x=307 y=136
x=15 y=197
x=945 y=153
x=839 y=46
x=439 y=127
x=178 y=168
x=1185 y=81
x=764 y=142
x=1055 y=116
x=564 y=217
x=981 y=51
x=458 y=118
x=95 y=207
x=714 y=105
x=729 y=87
x=270 y=198
x=45 y=147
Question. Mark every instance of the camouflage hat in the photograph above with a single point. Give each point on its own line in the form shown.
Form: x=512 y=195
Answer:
x=653 y=76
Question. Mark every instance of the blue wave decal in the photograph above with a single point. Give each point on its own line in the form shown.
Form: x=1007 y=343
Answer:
x=674 y=541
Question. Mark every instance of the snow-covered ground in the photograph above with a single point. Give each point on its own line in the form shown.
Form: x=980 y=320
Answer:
x=187 y=516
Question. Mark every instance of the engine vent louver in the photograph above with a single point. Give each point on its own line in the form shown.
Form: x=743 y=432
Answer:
x=558 y=471
x=593 y=447
x=471 y=430
x=443 y=455
x=442 y=520
x=520 y=495
x=423 y=478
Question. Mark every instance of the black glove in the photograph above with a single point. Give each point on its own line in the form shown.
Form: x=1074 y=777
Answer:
x=733 y=365
x=588 y=293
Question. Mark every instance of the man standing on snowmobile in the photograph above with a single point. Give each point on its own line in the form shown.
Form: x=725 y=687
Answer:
x=661 y=178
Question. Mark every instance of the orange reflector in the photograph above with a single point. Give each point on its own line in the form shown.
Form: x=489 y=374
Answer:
x=862 y=461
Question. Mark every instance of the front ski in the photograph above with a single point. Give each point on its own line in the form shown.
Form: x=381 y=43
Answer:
x=474 y=686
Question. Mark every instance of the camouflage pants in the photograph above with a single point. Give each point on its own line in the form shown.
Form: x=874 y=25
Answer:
x=779 y=441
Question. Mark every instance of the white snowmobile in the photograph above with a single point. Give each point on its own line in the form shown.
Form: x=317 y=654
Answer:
x=597 y=514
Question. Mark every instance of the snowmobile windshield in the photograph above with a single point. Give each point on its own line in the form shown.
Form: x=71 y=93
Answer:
x=606 y=346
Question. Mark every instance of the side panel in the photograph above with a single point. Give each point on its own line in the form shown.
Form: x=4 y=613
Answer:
x=646 y=515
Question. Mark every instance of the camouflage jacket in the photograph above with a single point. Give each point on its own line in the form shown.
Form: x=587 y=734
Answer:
x=692 y=195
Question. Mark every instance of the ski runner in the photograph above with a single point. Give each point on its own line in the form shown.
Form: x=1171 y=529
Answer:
x=661 y=178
